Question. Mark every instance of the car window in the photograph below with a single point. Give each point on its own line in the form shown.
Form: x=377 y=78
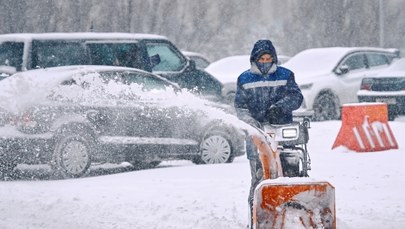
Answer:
x=11 y=54
x=58 y=53
x=200 y=62
x=355 y=61
x=170 y=60
x=376 y=59
x=115 y=54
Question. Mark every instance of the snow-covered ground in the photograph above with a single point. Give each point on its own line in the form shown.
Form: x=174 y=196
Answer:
x=179 y=194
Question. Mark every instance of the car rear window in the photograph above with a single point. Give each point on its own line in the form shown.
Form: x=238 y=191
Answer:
x=375 y=59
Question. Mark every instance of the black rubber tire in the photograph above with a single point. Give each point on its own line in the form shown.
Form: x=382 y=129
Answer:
x=72 y=155
x=326 y=107
x=215 y=148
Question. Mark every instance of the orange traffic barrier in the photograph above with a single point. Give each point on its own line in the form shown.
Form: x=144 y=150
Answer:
x=365 y=128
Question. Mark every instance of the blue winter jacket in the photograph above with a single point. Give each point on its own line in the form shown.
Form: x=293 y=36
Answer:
x=256 y=92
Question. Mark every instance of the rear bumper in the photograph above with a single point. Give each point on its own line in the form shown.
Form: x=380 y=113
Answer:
x=26 y=150
x=396 y=103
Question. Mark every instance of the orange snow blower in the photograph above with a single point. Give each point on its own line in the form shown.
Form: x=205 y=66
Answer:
x=287 y=197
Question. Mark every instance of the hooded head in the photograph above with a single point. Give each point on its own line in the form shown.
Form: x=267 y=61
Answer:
x=263 y=47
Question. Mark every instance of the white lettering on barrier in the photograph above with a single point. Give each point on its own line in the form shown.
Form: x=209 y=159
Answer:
x=376 y=129
x=358 y=138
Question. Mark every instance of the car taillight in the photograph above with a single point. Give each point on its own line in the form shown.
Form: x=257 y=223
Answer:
x=366 y=84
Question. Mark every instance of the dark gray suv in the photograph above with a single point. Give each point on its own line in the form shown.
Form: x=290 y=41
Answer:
x=153 y=53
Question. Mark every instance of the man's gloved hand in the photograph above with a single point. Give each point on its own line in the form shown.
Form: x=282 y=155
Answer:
x=273 y=114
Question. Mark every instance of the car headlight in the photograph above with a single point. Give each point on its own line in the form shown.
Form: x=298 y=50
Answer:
x=306 y=86
x=290 y=133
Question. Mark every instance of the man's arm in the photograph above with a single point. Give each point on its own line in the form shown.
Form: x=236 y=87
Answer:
x=292 y=98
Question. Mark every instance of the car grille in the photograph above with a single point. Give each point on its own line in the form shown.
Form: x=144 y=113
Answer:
x=388 y=84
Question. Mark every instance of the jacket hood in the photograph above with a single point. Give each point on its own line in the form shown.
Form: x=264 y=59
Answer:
x=261 y=47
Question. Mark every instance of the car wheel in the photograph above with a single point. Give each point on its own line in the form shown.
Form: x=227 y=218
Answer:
x=72 y=155
x=326 y=107
x=215 y=148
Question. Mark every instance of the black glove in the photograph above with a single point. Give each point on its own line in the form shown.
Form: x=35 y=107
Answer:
x=273 y=114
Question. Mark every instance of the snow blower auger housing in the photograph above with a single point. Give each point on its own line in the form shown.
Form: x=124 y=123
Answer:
x=290 y=200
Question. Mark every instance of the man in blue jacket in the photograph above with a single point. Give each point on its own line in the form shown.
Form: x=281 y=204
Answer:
x=266 y=93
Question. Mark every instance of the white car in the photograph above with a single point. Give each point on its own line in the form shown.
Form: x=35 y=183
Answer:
x=330 y=77
x=228 y=69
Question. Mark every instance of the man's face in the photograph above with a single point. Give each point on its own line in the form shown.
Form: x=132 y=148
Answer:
x=265 y=58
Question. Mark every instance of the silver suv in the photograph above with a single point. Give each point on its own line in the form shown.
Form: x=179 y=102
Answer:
x=153 y=53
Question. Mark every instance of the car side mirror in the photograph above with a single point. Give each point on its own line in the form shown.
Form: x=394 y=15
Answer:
x=342 y=70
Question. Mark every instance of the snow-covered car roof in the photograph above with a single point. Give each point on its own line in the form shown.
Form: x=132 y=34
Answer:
x=32 y=87
x=229 y=68
x=84 y=35
x=324 y=60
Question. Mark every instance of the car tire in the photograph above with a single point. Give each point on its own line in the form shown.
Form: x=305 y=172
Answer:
x=326 y=107
x=215 y=148
x=72 y=154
